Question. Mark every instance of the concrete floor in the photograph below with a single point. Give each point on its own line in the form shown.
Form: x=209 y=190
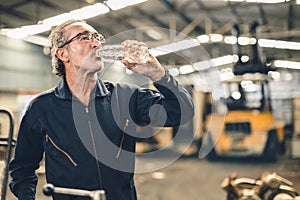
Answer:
x=199 y=179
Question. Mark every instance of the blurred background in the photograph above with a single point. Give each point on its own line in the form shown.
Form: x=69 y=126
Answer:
x=239 y=59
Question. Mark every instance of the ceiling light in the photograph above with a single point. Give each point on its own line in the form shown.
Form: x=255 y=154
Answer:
x=154 y=34
x=82 y=13
x=259 y=1
x=174 y=47
x=252 y=41
x=117 y=4
x=24 y=31
x=267 y=1
x=216 y=37
x=287 y=64
x=173 y=71
x=275 y=75
x=235 y=58
x=186 y=69
x=203 y=38
x=224 y=60
x=226 y=76
x=56 y=20
x=279 y=44
x=245 y=58
x=243 y=41
x=230 y=40
x=158 y=51
x=89 y=11
x=235 y=0
x=39 y=40
x=202 y=65
x=236 y=95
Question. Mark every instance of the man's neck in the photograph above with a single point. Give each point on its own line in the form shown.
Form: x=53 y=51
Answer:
x=81 y=85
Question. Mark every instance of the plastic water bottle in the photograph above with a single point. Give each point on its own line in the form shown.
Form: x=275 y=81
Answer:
x=133 y=51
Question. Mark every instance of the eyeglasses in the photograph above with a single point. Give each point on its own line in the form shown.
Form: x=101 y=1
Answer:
x=85 y=36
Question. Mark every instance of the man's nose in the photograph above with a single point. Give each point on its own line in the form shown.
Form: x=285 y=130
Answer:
x=95 y=43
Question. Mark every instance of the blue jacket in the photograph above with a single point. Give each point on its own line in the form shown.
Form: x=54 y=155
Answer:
x=92 y=147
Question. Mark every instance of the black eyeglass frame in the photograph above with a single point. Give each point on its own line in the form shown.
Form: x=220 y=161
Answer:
x=91 y=35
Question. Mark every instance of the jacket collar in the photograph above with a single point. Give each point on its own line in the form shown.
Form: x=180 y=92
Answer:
x=62 y=90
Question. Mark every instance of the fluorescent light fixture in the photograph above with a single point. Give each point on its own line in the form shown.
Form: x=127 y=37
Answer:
x=24 y=31
x=82 y=13
x=39 y=40
x=117 y=4
x=279 y=44
x=154 y=34
x=174 y=71
x=259 y=1
x=224 y=60
x=236 y=95
x=203 y=38
x=158 y=51
x=215 y=62
x=252 y=41
x=181 y=45
x=202 y=65
x=245 y=58
x=287 y=64
x=89 y=11
x=186 y=69
x=275 y=75
x=216 y=37
x=267 y=1
x=298 y=2
x=244 y=41
x=235 y=58
x=235 y=0
x=226 y=75
x=230 y=40
x=56 y=20
x=174 y=47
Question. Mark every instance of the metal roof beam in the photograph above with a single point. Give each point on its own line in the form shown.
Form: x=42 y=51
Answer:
x=181 y=14
x=235 y=13
x=18 y=14
x=206 y=10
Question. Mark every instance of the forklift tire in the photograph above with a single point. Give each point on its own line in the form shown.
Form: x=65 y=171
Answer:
x=271 y=151
x=212 y=155
x=283 y=147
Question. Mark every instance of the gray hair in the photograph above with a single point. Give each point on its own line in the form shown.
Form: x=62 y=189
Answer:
x=58 y=38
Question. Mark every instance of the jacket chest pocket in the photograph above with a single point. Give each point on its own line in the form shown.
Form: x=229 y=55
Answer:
x=53 y=147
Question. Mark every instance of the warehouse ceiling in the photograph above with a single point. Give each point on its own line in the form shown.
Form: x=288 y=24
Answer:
x=174 y=19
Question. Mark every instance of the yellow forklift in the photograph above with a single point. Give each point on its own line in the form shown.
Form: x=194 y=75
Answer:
x=249 y=128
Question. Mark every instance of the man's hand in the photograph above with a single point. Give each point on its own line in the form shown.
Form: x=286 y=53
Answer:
x=147 y=66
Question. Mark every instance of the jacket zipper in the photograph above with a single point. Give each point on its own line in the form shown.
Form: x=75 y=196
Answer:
x=61 y=150
x=122 y=139
x=94 y=147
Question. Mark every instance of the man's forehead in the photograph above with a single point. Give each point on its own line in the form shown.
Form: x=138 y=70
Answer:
x=79 y=27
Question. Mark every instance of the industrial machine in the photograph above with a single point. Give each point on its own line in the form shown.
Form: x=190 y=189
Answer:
x=270 y=186
x=249 y=126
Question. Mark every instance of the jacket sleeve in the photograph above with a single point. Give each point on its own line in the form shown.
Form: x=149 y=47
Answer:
x=171 y=105
x=28 y=154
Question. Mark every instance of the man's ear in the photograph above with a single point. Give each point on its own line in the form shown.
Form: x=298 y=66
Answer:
x=62 y=54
